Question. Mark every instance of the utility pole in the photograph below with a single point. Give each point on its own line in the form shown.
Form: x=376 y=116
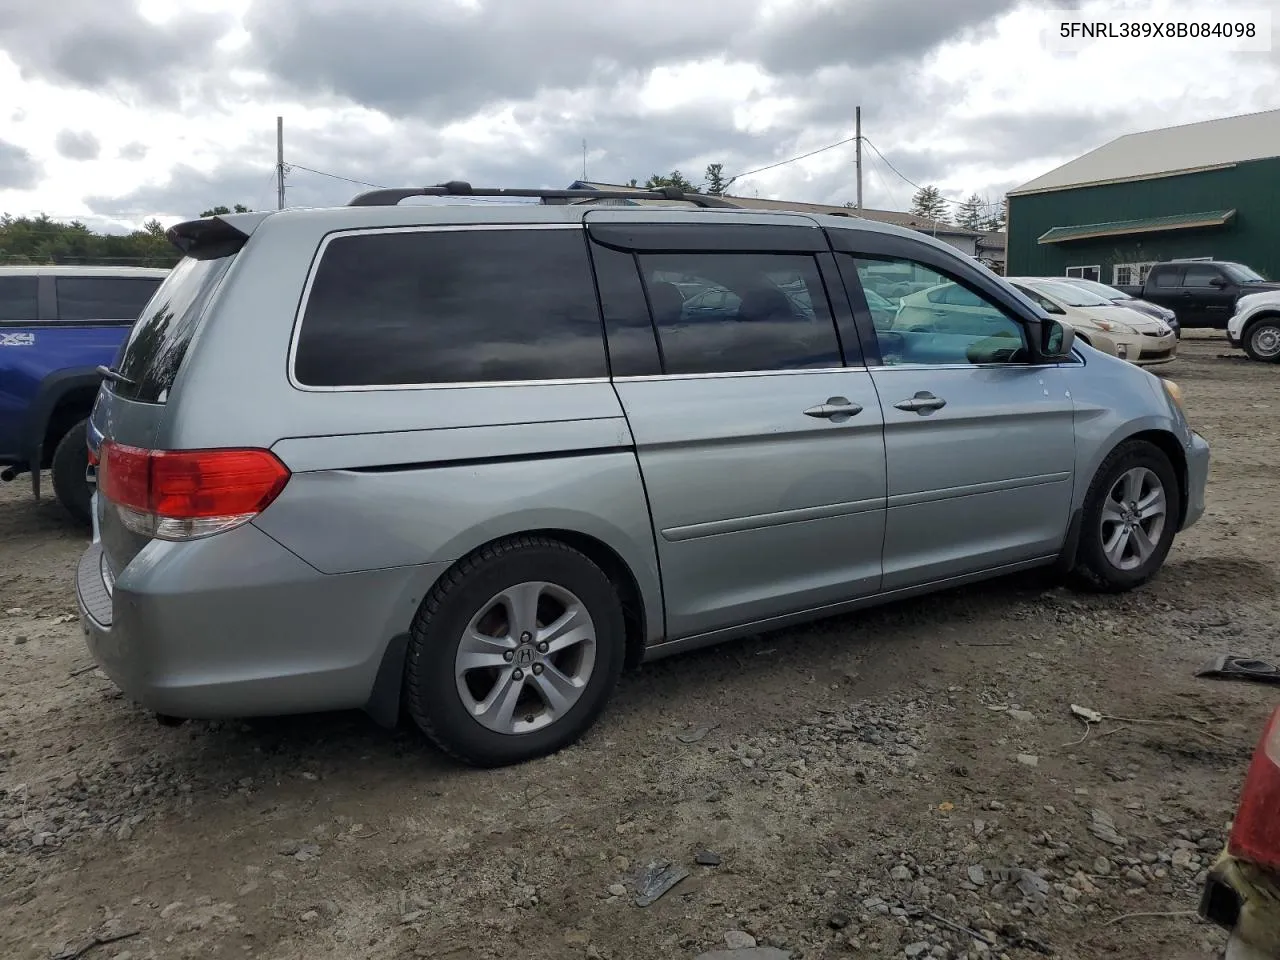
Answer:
x=857 y=143
x=584 y=160
x=279 y=163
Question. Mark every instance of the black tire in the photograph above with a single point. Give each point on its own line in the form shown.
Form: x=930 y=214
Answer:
x=70 y=463
x=431 y=691
x=1261 y=341
x=1093 y=568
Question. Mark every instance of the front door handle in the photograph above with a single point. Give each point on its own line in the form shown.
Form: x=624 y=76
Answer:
x=836 y=409
x=922 y=402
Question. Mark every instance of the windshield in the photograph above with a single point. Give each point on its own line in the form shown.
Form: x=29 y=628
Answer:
x=1101 y=289
x=1242 y=274
x=1070 y=295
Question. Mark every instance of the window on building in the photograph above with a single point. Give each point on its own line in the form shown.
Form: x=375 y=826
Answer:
x=451 y=306
x=1085 y=273
x=1131 y=274
x=737 y=313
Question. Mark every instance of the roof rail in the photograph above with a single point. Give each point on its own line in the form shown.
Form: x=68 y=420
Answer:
x=391 y=196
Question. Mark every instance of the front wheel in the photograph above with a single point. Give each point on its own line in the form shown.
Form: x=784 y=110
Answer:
x=515 y=652
x=1130 y=517
x=1262 y=341
x=69 y=467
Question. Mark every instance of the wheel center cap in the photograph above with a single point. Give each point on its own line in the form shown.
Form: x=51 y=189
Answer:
x=525 y=655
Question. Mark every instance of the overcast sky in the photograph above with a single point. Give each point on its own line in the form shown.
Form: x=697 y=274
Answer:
x=117 y=110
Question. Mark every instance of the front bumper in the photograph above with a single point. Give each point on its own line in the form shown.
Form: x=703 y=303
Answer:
x=1197 y=478
x=236 y=625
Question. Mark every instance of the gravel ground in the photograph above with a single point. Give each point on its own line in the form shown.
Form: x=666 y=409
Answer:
x=907 y=782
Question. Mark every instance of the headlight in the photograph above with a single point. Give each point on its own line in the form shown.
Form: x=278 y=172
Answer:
x=1113 y=326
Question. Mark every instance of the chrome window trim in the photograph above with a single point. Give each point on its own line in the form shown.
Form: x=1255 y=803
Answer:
x=296 y=332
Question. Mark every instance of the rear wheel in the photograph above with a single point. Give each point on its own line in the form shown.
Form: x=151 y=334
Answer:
x=1130 y=517
x=515 y=652
x=1262 y=340
x=70 y=464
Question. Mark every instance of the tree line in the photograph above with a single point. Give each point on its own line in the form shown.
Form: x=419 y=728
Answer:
x=42 y=240
x=928 y=202
x=972 y=214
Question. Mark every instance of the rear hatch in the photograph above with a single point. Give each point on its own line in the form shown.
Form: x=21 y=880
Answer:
x=130 y=408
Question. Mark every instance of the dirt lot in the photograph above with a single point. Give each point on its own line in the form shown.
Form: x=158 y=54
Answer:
x=872 y=785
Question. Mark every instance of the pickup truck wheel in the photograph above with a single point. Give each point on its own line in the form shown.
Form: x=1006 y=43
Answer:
x=514 y=652
x=70 y=462
x=1130 y=517
x=1262 y=340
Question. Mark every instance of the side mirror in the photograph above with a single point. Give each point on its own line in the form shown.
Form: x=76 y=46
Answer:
x=1056 y=340
x=1218 y=282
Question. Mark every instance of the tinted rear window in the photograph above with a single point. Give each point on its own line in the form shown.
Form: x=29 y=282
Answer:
x=103 y=298
x=451 y=306
x=18 y=298
x=158 y=341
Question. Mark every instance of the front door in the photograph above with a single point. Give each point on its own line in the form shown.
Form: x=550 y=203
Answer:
x=1210 y=295
x=762 y=452
x=979 y=445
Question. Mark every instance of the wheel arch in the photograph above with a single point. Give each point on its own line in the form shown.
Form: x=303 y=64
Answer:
x=1270 y=313
x=60 y=397
x=385 y=705
x=1168 y=444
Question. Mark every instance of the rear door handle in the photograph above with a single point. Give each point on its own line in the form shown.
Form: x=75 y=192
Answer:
x=922 y=402
x=835 y=409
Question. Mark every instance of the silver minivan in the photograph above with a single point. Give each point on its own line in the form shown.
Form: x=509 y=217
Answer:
x=467 y=461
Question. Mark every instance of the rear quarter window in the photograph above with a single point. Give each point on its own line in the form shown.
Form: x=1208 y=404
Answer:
x=19 y=299
x=113 y=299
x=426 y=307
x=159 y=339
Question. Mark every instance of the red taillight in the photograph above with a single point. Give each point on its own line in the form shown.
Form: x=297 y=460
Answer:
x=1255 y=835
x=180 y=494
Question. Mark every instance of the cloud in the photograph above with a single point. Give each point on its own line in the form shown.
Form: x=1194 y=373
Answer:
x=445 y=61
x=503 y=93
x=77 y=145
x=133 y=151
x=18 y=171
x=108 y=44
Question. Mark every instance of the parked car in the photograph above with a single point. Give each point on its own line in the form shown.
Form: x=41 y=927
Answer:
x=1255 y=326
x=1118 y=330
x=57 y=326
x=1242 y=890
x=1122 y=299
x=477 y=457
x=1202 y=293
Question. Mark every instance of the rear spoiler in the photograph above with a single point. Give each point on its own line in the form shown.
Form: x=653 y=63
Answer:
x=211 y=238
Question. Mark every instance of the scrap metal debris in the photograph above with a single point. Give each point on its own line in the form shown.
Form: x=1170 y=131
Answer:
x=1232 y=666
x=656 y=879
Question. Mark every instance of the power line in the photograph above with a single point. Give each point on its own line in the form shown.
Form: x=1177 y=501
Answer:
x=783 y=163
x=336 y=176
x=378 y=186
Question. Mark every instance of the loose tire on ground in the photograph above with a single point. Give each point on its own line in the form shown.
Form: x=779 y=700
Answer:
x=468 y=618
x=70 y=462
x=1262 y=340
x=1120 y=548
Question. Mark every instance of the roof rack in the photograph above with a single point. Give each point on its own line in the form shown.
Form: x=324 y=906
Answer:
x=391 y=196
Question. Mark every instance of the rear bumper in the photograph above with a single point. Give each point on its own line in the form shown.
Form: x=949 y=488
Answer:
x=236 y=625
x=1197 y=478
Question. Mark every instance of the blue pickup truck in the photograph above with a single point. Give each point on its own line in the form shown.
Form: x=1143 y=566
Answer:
x=57 y=326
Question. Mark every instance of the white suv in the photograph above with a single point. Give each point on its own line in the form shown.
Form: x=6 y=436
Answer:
x=1255 y=326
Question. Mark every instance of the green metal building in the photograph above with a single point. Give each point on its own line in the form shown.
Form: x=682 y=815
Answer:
x=1206 y=191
